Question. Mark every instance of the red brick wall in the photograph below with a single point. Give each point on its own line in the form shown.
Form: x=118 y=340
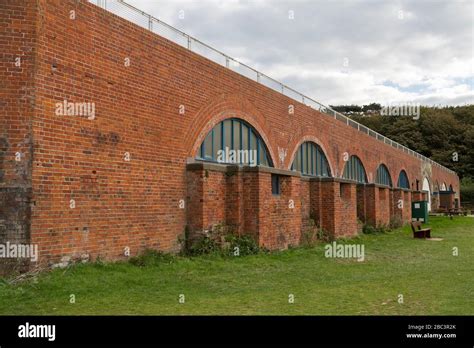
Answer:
x=305 y=203
x=378 y=203
x=384 y=205
x=18 y=46
x=251 y=203
x=234 y=200
x=315 y=201
x=136 y=203
x=361 y=204
x=279 y=215
x=419 y=196
x=206 y=200
x=276 y=221
x=243 y=199
x=338 y=207
x=346 y=215
x=403 y=210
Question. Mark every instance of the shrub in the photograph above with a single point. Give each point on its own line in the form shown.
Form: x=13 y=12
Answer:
x=245 y=245
x=220 y=239
x=203 y=245
x=383 y=228
x=370 y=229
x=205 y=242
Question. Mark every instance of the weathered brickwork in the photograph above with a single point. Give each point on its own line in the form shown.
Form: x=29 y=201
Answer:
x=401 y=204
x=18 y=45
x=97 y=186
x=378 y=200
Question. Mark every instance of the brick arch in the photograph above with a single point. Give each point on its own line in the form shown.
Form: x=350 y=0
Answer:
x=221 y=108
x=389 y=173
x=308 y=138
x=444 y=177
x=354 y=151
x=400 y=170
x=363 y=166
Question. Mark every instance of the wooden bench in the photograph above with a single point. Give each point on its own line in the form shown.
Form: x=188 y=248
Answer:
x=419 y=232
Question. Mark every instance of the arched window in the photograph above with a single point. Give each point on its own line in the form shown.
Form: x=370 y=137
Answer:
x=403 y=180
x=451 y=188
x=383 y=176
x=443 y=187
x=354 y=170
x=310 y=160
x=234 y=141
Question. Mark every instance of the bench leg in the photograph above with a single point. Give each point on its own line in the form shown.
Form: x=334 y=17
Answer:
x=418 y=234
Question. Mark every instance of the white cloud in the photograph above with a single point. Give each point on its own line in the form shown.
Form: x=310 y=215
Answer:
x=397 y=51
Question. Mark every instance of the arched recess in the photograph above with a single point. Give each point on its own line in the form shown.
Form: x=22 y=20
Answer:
x=450 y=188
x=443 y=187
x=219 y=108
x=426 y=187
x=354 y=170
x=312 y=139
x=311 y=160
x=234 y=141
x=383 y=176
x=403 y=181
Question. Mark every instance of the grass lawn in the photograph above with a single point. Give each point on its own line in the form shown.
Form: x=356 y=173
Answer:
x=431 y=280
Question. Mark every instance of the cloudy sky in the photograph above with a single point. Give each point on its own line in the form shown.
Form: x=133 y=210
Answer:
x=343 y=51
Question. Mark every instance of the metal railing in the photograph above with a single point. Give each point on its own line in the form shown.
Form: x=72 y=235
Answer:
x=144 y=20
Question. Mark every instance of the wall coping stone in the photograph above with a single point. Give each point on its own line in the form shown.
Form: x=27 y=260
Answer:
x=232 y=168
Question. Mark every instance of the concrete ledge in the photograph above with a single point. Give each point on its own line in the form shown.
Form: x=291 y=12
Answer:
x=332 y=179
x=232 y=168
x=217 y=167
x=400 y=189
x=271 y=170
x=373 y=184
